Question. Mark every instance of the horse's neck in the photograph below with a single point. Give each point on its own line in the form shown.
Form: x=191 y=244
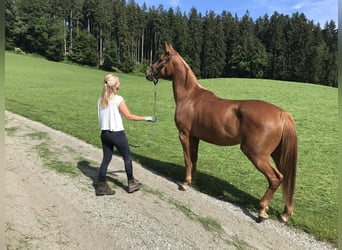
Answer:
x=184 y=81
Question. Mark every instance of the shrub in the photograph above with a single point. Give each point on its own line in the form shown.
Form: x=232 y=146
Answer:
x=84 y=49
x=19 y=51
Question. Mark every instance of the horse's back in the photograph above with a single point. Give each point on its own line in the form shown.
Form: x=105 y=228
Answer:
x=232 y=121
x=260 y=113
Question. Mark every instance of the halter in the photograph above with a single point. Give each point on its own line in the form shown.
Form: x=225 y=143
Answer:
x=155 y=72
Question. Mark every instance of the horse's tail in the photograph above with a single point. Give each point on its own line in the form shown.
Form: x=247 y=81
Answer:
x=288 y=160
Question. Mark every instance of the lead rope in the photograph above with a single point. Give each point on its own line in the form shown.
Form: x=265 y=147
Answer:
x=151 y=132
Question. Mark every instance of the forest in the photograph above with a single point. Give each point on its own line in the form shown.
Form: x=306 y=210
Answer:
x=122 y=35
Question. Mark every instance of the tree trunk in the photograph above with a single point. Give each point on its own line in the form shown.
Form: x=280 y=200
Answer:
x=71 y=30
x=64 y=38
x=101 y=48
x=142 y=46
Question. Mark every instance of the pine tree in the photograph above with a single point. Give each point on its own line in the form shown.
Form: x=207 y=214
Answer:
x=249 y=58
x=75 y=15
x=85 y=49
x=231 y=36
x=136 y=24
x=102 y=25
x=214 y=50
x=11 y=24
x=34 y=18
x=275 y=43
x=121 y=34
x=179 y=32
x=195 y=41
x=297 y=37
x=110 y=55
x=54 y=48
x=330 y=37
x=88 y=10
x=153 y=31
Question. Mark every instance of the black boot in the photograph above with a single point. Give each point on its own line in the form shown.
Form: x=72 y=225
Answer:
x=103 y=189
x=133 y=185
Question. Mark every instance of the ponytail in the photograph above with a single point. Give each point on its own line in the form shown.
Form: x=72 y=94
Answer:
x=109 y=89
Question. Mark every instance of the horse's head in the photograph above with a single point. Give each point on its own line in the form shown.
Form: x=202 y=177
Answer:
x=161 y=67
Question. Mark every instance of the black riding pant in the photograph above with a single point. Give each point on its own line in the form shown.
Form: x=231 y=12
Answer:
x=119 y=140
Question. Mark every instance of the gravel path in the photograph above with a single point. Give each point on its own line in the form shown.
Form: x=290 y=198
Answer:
x=50 y=210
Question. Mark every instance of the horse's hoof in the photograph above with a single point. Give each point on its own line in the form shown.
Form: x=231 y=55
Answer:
x=183 y=187
x=262 y=217
x=283 y=217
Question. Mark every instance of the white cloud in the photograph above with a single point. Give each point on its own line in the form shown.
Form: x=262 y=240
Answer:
x=174 y=3
x=298 y=6
x=321 y=11
x=317 y=10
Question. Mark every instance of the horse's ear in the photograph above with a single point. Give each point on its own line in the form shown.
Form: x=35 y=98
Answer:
x=168 y=48
x=171 y=48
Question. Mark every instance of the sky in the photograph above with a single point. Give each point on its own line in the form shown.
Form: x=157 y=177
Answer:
x=317 y=10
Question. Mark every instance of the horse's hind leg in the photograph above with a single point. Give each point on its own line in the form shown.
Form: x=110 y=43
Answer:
x=288 y=209
x=274 y=178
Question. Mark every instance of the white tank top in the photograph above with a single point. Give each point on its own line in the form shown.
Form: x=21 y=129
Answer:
x=110 y=117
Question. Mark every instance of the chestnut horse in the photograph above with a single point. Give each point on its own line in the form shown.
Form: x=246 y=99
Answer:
x=263 y=130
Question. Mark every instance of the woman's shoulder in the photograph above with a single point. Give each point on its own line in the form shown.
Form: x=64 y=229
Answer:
x=118 y=98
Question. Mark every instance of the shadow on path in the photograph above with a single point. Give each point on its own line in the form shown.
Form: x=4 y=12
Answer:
x=210 y=185
x=92 y=173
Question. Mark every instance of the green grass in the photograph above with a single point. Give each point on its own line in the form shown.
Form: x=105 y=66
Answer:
x=49 y=156
x=11 y=131
x=208 y=223
x=65 y=96
x=51 y=161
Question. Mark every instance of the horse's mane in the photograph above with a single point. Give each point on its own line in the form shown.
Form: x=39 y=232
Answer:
x=191 y=74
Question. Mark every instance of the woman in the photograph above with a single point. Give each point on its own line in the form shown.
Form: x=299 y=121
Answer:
x=110 y=107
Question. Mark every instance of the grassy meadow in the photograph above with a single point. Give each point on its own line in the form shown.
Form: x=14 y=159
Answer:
x=64 y=97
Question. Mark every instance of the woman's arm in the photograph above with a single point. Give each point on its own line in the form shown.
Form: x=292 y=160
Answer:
x=125 y=111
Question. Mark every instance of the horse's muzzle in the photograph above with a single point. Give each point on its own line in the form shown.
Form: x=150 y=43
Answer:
x=150 y=76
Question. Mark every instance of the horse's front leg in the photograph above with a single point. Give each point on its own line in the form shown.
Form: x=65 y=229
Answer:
x=184 y=139
x=194 y=142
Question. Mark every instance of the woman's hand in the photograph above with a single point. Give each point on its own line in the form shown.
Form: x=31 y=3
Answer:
x=150 y=118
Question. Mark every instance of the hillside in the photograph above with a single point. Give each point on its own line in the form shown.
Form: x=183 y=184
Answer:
x=64 y=97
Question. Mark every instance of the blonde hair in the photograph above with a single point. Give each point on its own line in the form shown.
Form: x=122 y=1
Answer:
x=109 y=89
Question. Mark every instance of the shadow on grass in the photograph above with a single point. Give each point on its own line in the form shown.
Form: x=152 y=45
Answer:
x=210 y=185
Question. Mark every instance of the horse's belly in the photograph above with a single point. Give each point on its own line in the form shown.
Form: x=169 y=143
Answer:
x=221 y=140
